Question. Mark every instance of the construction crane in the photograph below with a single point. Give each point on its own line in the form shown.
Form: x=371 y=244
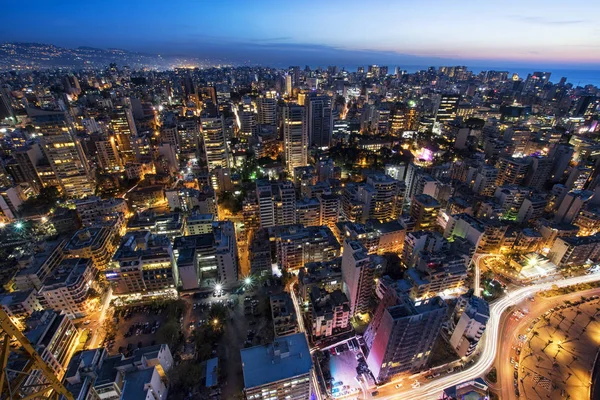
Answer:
x=12 y=389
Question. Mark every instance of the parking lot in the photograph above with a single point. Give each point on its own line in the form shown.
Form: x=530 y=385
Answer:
x=348 y=371
x=137 y=327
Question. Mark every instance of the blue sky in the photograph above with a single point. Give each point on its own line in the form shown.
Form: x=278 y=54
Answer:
x=526 y=32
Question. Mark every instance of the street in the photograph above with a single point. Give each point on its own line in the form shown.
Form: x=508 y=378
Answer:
x=488 y=345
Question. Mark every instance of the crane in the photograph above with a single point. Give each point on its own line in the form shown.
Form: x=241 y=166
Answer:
x=11 y=389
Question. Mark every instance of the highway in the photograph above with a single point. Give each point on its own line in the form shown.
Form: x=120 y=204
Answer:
x=488 y=346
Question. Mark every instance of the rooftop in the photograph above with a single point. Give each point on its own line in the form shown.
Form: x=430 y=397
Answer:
x=287 y=357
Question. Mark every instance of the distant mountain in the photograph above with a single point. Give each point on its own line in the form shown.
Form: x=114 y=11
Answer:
x=29 y=56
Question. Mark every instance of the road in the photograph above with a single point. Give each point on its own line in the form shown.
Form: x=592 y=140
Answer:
x=489 y=344
x=477 y=258
x=98 y=326
x=313 y=375
x=512 y=328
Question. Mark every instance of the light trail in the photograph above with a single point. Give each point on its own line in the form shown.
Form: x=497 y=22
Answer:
x=433 y=389
x=313 y=374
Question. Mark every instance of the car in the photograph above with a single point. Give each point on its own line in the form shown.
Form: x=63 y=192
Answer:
x=516 y=366
x=335 y=390
x=351 y=345
x=338 y=383
x=375 y=393
x=87 y=322
x=333 y=352
x=415 y=384
x=398 y=386
x=516 y=374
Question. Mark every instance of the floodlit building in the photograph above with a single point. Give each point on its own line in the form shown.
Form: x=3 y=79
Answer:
x=467 y=324
x=280 y=370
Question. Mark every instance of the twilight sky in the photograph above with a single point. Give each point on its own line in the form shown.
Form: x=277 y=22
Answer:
x=502 y=32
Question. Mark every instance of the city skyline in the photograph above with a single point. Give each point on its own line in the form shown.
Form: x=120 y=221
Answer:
x=346 y=33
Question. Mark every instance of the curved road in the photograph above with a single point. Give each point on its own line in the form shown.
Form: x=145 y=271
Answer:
x=489 y=345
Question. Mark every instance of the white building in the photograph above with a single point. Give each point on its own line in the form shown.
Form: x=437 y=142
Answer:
x=468 y=323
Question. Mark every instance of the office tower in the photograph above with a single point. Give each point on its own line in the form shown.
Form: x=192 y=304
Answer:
x=467 y=324
x=511 y=171
x=267 y=110
x=448 y=107
x=571 y=204
x=64 y=152
x=215 y=145
x=401 y=334
x=413 y=173
x=357 y=273
x=245 y=118
x=485 y=180
x=280 y=370
x=286 y=204
x=295 y=137
x=424 y=209
x=320 y=121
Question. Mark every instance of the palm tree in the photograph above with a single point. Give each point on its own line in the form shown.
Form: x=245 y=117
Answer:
x=590 y=320
x=548 y=343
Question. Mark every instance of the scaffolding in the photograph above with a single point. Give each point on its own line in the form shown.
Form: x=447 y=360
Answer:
x=13 y=382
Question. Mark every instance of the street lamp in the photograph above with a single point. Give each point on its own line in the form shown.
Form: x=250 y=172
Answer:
x=218 y=287
x=215 y=321
x=19 y=225
x=247 y=281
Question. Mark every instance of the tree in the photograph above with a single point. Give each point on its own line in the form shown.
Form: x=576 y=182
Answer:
x=590 y=320
x=169 y=333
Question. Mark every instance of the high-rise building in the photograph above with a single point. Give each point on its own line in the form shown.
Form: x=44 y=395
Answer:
x=297 y=245
x=286 y=203
x=424 y=209
x=511 y=171
x=357 y=272
x=448 y=107
x=402 y=333
x=280 y=370
x=571 y=205
x=267 y=110
x=295 y=137
x=320 y=120
x=63 y=151
x=215 y=145
x=125 y=132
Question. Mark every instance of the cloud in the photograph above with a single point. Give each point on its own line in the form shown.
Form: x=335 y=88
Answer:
x=548 y=21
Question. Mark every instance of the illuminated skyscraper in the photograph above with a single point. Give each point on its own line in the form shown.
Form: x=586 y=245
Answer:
x=448 y=107
x=123 y=126
x=295 y=138
x=215 y=146
x=320 y=120
x=63 y=151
